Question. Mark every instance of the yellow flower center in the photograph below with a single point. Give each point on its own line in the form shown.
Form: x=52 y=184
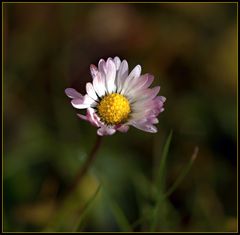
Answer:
x=114 y=109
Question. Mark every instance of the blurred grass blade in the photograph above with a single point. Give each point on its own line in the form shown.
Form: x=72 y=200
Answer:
x=160 y=185
x=119 y=215
x=161 y=196
x=86 y=208
x=162 y=164
x=121 y=218
x=183 y=174
x=142 y=219
x=161 y=199
x=156 y=212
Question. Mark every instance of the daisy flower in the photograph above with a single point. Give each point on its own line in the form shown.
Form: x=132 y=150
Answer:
x=117 y=99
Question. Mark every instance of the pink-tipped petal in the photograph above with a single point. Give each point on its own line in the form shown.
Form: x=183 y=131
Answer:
x=148 y=127
x=105 y=130
x=93 y=70
x=147 y=94
x=154 y=91
x=79 y=104
x=72 y=93
x=163 y=99
x=123 y=128
x=93 y=118
x=82 y=116
x=149 y=81
x=153 y=120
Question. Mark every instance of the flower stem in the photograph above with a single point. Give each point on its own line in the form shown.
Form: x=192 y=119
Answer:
x=84 y=168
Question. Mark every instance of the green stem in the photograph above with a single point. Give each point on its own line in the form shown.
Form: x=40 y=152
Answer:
x=82 y=171
x=84 y=168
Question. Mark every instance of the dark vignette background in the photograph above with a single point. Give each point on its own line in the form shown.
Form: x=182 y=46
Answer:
x=191 y=49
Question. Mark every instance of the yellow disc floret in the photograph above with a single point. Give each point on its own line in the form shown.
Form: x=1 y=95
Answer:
x=114 y=109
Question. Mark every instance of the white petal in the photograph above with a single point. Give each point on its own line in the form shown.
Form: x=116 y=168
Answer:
x=141 y=108
x=88 y=99
x=99 y=85
x=131 y=79
x=139 y=115
x=136 y=72
x=84 y=103
x=136 y=86
x=110 y=76
x=91 y=92
x=141 y=105
x=122 y=75
x=117 y=62
x=102 y=66
x=147 y=94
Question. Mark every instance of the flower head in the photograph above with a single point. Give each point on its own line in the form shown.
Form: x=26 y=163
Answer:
x=117 y=99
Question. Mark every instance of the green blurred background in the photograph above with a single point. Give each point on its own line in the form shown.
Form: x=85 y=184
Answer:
x=191 y=49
